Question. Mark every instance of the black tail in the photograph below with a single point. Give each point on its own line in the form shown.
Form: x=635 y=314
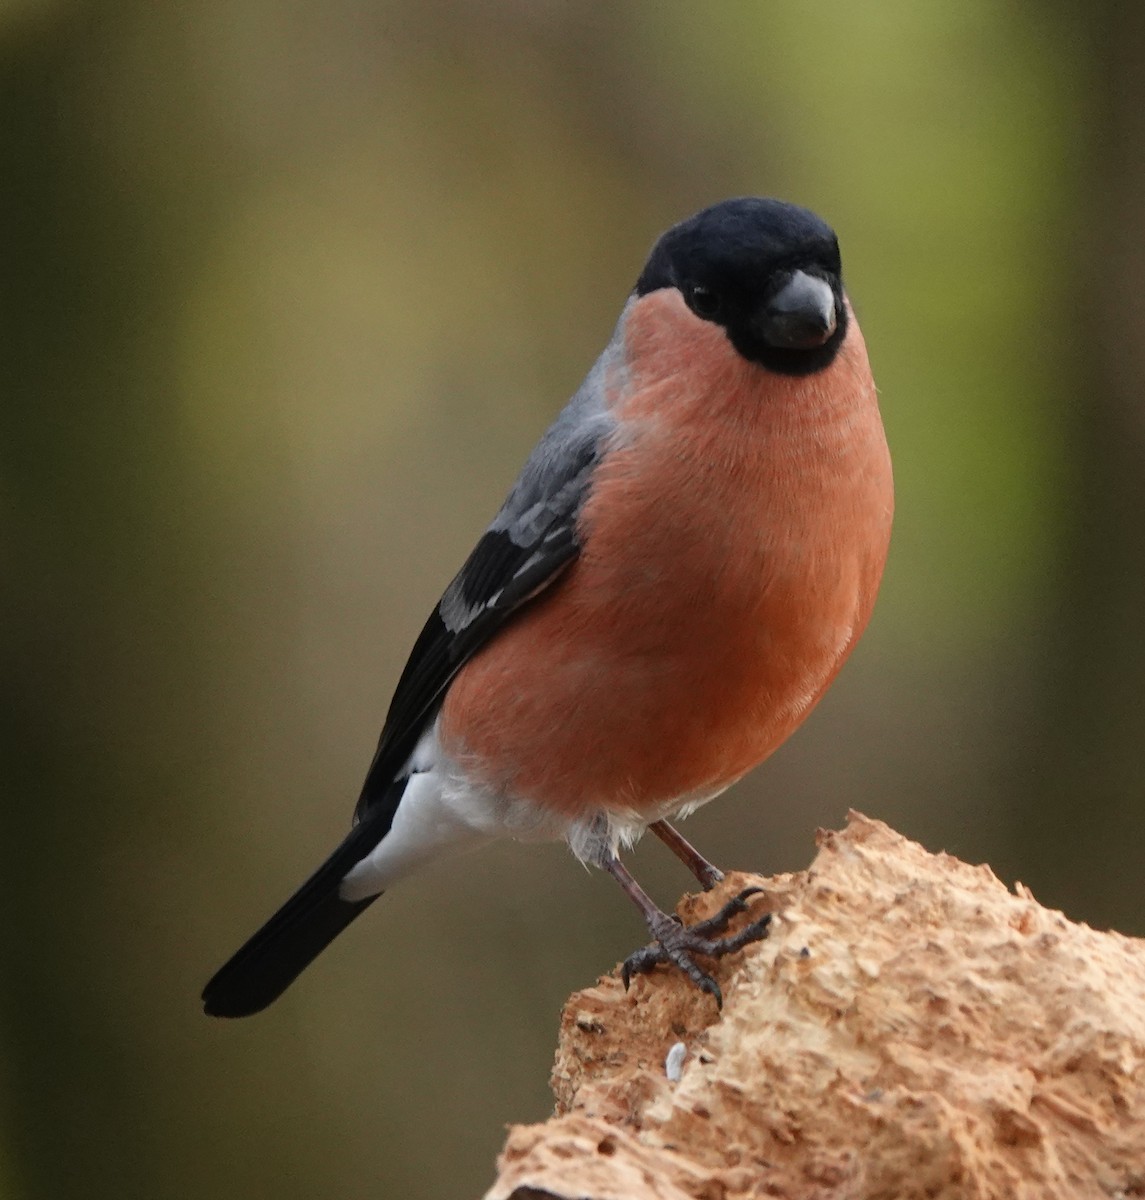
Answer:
x=301 y=929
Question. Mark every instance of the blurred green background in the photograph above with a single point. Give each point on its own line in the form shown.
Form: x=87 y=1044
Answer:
x=288 y=292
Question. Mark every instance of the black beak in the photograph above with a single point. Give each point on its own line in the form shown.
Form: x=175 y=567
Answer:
x=801 y=315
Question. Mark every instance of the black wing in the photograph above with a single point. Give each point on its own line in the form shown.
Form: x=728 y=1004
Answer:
x=523 y=552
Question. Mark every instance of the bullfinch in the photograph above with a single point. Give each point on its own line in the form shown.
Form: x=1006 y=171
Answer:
x=684 y=563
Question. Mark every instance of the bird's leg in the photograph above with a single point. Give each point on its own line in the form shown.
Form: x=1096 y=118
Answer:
x=676 y=943
x=707 y=873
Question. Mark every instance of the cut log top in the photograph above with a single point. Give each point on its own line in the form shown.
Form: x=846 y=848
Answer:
x=911 y=1028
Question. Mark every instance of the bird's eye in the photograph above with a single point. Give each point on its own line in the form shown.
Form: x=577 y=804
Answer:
x=702 y=300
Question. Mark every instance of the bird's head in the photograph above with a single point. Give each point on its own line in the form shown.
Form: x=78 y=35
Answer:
x=767 y=272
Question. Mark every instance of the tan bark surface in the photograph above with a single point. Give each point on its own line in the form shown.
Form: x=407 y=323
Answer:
x=911 y=1028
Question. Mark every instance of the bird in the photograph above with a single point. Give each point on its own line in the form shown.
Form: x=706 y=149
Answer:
x=687 y=558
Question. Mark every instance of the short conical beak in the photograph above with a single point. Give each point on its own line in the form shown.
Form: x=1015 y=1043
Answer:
x=801 y=315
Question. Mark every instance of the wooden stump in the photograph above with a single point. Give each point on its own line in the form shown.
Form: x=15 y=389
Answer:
x=910 y=1028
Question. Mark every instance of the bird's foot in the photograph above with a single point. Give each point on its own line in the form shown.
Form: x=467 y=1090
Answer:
x=676 y=943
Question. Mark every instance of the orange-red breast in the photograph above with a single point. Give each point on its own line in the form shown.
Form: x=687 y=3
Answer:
x=685 y=562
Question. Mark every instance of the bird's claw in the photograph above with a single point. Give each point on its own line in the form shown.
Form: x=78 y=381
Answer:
x=736 y=905
x=676 y=943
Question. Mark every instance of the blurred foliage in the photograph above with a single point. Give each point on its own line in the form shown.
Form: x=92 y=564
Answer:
x=288 y=292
